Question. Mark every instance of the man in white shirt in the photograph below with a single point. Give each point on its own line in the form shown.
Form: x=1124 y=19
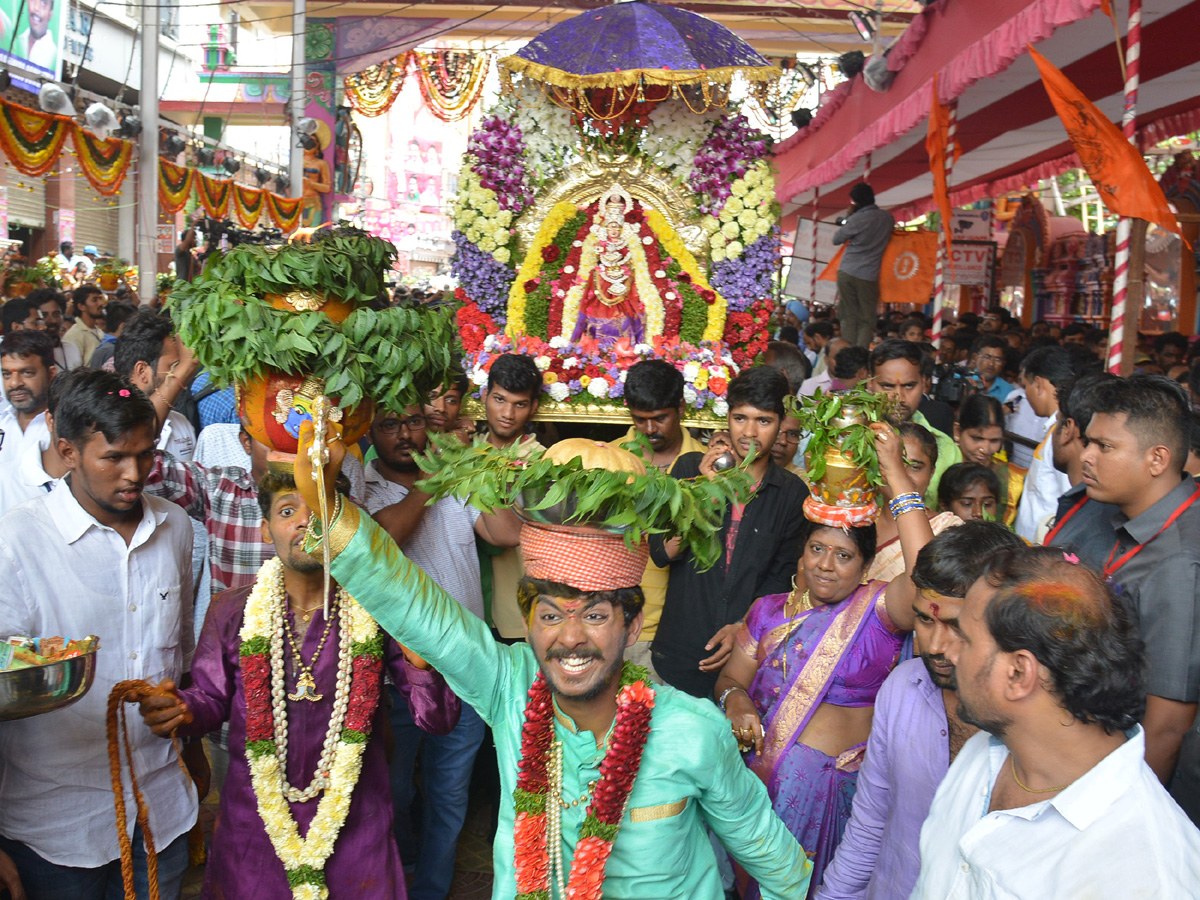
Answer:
x=36 y=42
x=148 y=354
x=26 y=369
x=1045 y=372
x=440 y=539
x=95 y=556
x=1055 y=799
x=36 y=468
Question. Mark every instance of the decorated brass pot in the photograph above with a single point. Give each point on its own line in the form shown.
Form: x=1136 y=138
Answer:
x=303 y=301
x=273 y=406
x=842 y=496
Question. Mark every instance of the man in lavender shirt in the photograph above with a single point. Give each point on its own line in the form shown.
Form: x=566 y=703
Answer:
x=916 y=732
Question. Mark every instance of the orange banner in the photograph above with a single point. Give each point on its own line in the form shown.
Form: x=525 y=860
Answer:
x=1116 y=167
x=936 y=145
x=906 y=275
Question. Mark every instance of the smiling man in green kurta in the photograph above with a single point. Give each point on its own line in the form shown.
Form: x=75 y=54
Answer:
x=607 y=781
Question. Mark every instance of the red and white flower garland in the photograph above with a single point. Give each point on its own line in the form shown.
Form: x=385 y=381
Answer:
x=360 y=666
x=618 y=770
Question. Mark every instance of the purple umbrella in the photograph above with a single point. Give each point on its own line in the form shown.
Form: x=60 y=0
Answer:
x=638 y=43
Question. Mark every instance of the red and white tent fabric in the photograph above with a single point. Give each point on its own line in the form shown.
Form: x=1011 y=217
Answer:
x=1007 y=129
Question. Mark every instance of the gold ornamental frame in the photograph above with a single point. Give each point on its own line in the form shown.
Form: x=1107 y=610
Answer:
x=594 y=413
x=591 y=178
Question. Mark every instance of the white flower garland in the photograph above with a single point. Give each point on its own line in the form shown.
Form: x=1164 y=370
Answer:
x=263 y=619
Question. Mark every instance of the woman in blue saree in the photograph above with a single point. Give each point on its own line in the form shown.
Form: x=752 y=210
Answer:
x=799 y=689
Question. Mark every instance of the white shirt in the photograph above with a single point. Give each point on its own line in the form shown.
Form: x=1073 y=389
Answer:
x=63 y=573
x=1025 y=422
x=67 y=356
x=810 y=385
x=25 y=478
x=1044 y=484
x=443 y=545
x=15 y=439
x=178 y=436
x=1113 y=833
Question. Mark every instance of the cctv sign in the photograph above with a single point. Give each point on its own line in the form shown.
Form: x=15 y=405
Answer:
x=974 y=263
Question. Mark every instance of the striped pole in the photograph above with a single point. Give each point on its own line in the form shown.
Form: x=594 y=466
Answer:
x=939 y=273
x=812 y=277
x=867 y=169
x=1116 y=334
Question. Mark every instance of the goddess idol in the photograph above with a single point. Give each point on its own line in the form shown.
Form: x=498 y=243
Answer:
x=612 y=274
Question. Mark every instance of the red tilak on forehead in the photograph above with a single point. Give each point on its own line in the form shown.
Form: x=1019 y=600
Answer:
x=934 y=608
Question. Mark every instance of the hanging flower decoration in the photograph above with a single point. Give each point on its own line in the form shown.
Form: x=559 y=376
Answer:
x=32 y=140
x=174 y=185
x=248 y=204
x=105 y=163
x=214 y=194
x=285 y=211
x=451 y=81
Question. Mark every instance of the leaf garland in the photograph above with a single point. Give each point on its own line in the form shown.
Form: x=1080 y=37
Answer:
x=174 y=185
x=655 y=503
x=818 y=416
x=393 y=356
x=105 y=163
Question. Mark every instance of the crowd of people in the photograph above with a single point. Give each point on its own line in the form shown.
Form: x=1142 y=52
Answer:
x=989 y=692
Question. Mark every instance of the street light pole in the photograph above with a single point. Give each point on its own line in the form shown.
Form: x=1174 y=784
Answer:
x=147 y=208
x=296 y=157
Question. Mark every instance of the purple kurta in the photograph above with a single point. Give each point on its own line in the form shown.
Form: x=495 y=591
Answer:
x=242 y=863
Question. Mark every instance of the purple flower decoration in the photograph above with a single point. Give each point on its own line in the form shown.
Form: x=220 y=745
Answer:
x=748 y=278
x=484 y=279
x=498 y=149
x=730 y=150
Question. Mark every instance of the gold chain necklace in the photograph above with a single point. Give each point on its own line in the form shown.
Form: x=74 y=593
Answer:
x=1012 y=764
x=306 y=684
x=805 y=605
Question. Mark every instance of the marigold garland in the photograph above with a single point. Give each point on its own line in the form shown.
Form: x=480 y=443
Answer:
x=618 y=771
x=32 y=140
x=105 y=163
x=451 y=97
x=372 y=91
x=305 y=858
x=248 y=204
x=285 y=211
x=174 y=185
x=213 y=193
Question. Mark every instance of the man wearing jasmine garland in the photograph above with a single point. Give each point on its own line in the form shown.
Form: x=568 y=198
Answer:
x=286 y=679
x=607 y=782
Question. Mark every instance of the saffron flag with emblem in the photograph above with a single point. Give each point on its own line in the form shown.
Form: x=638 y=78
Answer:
x=937 y=145
x=1124 y=182
x=906 y=274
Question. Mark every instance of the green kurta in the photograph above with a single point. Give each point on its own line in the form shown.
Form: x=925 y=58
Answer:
x=691 y=773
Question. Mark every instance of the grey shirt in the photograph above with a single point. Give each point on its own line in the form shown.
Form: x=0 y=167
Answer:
x=1163 y=583
x=868 y=230
x=1088 y=531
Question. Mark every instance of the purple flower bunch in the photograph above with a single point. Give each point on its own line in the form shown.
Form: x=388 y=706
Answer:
x=728 y=151
x=748 y=278
x=485 y=280
x=499 y=151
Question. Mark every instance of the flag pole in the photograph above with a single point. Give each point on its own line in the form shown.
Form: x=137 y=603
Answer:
x=1120 y=311
x=812 y=277
x=939 y=274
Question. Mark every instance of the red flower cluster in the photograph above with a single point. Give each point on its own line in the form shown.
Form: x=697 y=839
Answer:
x=563 y=280
x=587 y=869
x=746 y=332
x=474 y=325
x=536 y=736
x=550 y=253
x=365 y=672
x=256 y=683
x=620 y=765
x=529 y=841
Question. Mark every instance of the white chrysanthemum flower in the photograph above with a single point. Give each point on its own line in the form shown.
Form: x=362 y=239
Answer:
x=747 y=218
x=717 y=254
x=739 y=188
x=479 y=378
x=598 y=387
x=559 y=391
x=542 y=362
x=689 y=394
x=690 y=371
x=721 y=408
x=730 y=230
x=734 y=249
x=502 y=255
x=558 y=342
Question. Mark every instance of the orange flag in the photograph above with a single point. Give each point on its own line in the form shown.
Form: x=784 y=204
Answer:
x=936 y=145
x=906 y=274
x=1115 y=166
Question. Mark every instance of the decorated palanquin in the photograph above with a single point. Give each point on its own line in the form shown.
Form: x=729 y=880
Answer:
x=596 y=227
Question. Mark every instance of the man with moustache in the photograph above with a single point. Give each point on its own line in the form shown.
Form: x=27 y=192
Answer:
x=654 y=398
x=1055 y=799
x=440 y=538
x=53 y=306
x=554 y=700
x=703 y=610
x=26 y=368
x=1137 y=444
x=916 y=732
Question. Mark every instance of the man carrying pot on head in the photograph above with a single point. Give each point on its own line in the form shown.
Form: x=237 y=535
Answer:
x=626 y=816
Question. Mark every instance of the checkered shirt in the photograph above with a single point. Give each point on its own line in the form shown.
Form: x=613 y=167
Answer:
x=225 y=499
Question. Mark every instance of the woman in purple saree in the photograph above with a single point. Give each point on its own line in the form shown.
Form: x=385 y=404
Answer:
x=799 y=689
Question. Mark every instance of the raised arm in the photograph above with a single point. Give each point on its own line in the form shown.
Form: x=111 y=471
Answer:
x=913 y=527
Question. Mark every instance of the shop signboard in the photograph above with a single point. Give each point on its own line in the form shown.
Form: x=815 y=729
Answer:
x=166 y=238
x=974 y=263
x=33 y=34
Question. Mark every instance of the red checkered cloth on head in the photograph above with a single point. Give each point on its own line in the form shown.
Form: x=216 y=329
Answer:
x=587 y=561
